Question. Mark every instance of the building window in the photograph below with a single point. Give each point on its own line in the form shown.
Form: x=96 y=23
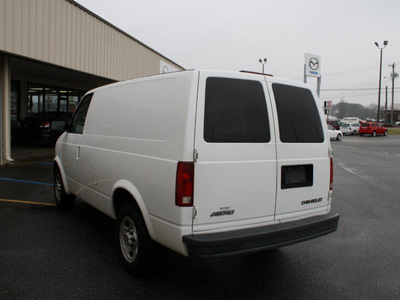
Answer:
x=45 y=98
x=35 y=99
x=14 y=106
x=51 y=99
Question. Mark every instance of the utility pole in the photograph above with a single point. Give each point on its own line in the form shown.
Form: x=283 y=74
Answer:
x=380 y=77
x=386 y=105
x=394 y=75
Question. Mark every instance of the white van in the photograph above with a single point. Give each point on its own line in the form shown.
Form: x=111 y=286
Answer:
x=351 y=120
x=206 y=163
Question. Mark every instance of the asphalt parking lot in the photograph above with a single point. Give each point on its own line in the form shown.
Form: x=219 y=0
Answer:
x=45 y=253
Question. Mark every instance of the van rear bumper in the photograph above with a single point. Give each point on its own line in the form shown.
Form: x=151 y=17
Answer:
x=260 y=238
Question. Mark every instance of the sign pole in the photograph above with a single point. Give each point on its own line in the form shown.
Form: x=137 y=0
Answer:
x=312 y=67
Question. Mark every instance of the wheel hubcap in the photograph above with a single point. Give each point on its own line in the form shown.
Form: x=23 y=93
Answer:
x=58 y=187
x=128 y=239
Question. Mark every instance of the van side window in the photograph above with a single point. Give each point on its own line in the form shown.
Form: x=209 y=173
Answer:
x=78 y=120
x=235 y=111
x=298 y=116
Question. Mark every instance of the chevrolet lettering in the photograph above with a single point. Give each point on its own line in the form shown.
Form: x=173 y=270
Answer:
x=311 y=201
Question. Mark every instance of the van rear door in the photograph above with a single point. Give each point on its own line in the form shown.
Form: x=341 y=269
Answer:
x=235 y=171
x=302 y=152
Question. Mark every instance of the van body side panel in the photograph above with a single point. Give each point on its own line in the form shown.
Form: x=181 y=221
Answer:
x=235 y=181
x=137 y=131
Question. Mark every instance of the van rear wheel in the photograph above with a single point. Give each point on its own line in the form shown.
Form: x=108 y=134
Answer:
x=134 y=243
x=63 y=200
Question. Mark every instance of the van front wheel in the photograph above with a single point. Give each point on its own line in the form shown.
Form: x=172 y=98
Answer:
x=133 y=241
x=63 y=200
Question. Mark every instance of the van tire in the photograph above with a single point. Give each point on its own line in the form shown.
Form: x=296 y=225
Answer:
x=374 y=133
x=62 y=199
x=133 y=241
x=339 y=137
x=386 y=133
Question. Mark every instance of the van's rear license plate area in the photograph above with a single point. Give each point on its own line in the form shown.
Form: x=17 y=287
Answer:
x=297 y=176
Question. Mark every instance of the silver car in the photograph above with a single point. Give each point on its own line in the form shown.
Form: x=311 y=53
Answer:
x=350 y=128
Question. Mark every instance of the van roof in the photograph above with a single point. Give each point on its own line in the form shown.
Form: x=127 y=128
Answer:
x=217 y=72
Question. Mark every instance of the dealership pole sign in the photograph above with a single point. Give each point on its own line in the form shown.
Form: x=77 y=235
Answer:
x=312 y=65
x=312 y=68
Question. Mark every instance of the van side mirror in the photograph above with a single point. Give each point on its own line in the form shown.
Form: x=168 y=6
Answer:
x=68 y=126
x=58 y=125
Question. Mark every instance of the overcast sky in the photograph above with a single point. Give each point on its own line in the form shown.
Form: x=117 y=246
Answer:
x=233 y=35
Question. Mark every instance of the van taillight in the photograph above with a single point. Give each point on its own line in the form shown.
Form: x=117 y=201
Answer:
x=184 y=184
x=331 y=176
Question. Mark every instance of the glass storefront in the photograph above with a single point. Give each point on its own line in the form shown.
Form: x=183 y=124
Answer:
x=44 y=98
x=49 y=101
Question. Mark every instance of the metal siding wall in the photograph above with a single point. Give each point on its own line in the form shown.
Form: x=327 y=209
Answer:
x=61 y=33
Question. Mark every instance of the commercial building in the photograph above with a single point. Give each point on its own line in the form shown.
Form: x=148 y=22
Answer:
x=53 y=51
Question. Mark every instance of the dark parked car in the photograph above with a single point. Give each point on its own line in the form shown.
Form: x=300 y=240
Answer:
x=334 y=124
x=43 y=127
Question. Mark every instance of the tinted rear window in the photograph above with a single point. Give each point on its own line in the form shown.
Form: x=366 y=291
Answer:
x=365 y=125
x=235 y=112
x=298 y=116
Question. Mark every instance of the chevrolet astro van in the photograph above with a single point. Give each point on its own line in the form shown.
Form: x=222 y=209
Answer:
x=206 y=163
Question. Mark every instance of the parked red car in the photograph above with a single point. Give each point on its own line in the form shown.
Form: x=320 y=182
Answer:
x=372 y=128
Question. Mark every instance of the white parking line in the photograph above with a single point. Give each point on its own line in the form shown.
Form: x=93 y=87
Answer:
x=351 y=171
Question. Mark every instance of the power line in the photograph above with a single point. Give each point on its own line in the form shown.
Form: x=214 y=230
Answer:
x=355 y=89
x=351 y=71
x=346 y=96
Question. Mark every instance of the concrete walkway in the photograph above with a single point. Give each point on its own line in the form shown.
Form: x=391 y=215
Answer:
x=29 y=155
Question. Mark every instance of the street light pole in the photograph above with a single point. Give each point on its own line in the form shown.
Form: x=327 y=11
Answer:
x=263 y=61
x=380 y=77
x=393 y=75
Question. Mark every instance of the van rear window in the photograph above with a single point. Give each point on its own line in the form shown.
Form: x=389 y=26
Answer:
x=298 y=116
x=235 y=111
